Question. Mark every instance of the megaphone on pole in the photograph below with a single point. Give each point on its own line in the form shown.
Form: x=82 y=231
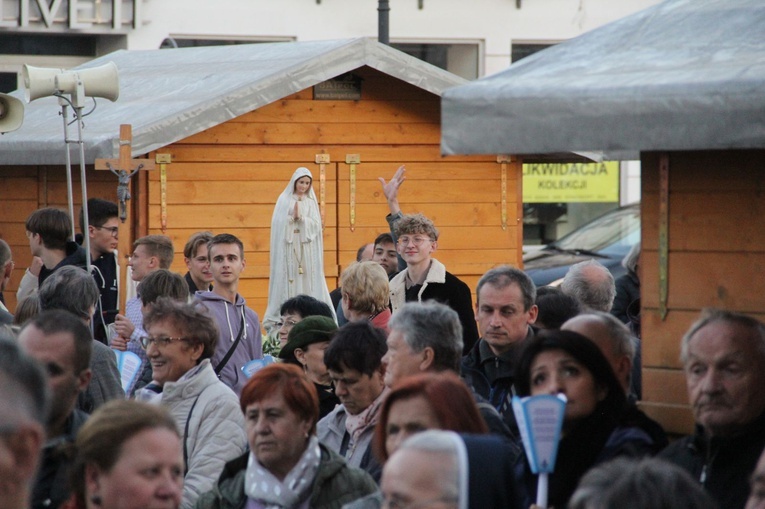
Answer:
x=11 y=113
x=101 y=81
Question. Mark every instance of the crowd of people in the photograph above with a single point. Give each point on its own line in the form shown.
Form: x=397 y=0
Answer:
x=395 y=391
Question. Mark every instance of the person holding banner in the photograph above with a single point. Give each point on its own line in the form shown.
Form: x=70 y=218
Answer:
x=594 y=425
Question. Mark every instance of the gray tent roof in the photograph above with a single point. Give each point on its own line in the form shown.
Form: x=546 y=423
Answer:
x=169 y=95
x=682 y=75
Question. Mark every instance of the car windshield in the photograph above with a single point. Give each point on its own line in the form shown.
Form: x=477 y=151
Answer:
x=613 y=233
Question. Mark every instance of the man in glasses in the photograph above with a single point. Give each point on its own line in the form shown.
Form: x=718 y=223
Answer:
x=425 y=278
x=422 y=277
x=103 y=230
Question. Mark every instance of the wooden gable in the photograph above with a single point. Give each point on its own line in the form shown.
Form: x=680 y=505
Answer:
x=227 y=179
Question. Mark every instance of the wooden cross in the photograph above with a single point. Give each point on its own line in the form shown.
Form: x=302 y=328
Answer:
x=124 y=167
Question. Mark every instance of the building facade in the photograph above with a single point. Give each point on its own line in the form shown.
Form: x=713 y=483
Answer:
x=470 y=39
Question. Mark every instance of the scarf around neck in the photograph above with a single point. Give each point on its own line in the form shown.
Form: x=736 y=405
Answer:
x=356 y=424
x=262 y=486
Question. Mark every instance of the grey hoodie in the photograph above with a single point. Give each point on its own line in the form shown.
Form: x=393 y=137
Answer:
x=229 y=319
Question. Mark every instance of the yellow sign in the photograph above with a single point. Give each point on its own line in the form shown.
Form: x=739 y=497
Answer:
x=571 y=182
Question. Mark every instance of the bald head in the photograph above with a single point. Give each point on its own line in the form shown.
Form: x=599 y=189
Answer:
x=591 y=284
x=424 y=469
x=612 y=337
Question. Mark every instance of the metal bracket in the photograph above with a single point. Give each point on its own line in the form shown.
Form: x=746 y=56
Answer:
x=353 y=160
x=322 y=160
x=663 y=234
x=163 y=160
x=503 y=160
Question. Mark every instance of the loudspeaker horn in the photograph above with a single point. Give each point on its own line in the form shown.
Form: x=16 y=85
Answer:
x=102 y=81
x=39 y=81
x=11 y=113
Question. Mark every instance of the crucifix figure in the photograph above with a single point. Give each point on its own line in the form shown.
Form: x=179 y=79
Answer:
x=123 y=188
x=121 y=168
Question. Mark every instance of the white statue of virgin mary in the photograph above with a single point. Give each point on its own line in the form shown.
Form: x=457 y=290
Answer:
x=297 y=247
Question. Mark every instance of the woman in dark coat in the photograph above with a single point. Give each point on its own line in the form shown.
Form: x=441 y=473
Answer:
x=594 y=427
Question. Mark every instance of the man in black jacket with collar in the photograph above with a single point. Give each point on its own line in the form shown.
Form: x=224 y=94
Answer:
x=103 y=231
x=505 y=311
x=723 y=355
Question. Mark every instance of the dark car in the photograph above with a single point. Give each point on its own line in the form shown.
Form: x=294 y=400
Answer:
x=606 y=239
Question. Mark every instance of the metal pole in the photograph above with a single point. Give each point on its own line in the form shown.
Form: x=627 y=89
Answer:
x=383 y=24
x=85 y=225
x=69 y=193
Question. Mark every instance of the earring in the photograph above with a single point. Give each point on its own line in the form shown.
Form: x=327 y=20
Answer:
x=96 y=500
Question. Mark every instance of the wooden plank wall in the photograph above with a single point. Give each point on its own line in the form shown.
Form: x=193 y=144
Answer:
x=24 y=189
x=228 y=178
x=716 y=259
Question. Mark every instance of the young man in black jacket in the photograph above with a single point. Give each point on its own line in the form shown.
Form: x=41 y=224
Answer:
x=103 y=230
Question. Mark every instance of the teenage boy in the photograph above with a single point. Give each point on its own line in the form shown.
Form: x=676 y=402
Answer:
x=103 y=230
x=240 y=339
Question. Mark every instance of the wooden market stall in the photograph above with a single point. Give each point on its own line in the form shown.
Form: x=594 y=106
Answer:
x=320 y=105
x=687 y=101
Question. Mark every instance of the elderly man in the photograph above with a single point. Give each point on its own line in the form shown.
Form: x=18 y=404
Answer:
x=505 y=311
x=428 y=338
x=426 y=472
x=423 y=337
x=619 y=347
x=591 y=284
x=23 y=415
x=354 y=361
x=74 y=290
x=61 y=343
x=723 y=355
x=440 y=469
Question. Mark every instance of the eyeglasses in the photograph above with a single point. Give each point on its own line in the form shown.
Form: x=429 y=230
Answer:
x=417 y=241
x=288 y=323
x=397 y=503
x=114 y=230
x=160 y=341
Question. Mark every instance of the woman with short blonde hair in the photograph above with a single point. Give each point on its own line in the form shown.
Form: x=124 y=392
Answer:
x=365 y=293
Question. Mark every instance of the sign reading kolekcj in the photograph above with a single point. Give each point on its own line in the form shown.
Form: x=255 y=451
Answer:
x=572 y=182
x=85 y=16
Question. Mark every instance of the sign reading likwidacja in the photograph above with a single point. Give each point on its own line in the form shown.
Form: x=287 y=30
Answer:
x=85 y=16
x=573 y=182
